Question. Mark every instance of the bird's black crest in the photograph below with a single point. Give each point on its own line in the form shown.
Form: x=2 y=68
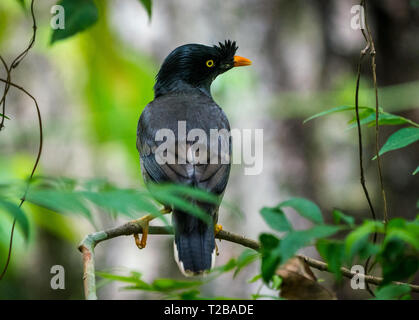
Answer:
x=185 y=67
x=227 y=50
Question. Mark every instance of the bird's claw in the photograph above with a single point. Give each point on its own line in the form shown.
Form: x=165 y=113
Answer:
x=141 y=244
x=217 y=229
x=144 y=222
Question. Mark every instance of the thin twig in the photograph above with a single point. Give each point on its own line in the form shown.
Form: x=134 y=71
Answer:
x=6 y=90
x=38 y=157
x=360 y=152
x=370 y=47
x=8 y=83
x=373 y=54
x=15 y=63
x=360 y=147
x=89 y=243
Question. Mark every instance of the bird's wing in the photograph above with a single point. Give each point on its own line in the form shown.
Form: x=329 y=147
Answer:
x=199 y=112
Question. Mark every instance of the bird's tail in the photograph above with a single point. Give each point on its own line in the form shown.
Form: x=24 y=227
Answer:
x=194 y=245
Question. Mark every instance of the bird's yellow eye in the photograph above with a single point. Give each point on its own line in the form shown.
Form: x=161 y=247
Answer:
x=210 y=63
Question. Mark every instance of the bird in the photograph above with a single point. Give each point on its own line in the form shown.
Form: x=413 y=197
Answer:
x=182 y=93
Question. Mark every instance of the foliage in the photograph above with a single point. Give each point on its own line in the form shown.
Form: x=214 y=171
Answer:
x=398 y=254
x=68 y=196
x=392 y=292
x=17 y=213
x=81 y=15
x=148 y=4
x=183 y=289
x=400 y=139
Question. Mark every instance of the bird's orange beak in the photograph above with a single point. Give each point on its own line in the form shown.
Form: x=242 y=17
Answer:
x=240 y=61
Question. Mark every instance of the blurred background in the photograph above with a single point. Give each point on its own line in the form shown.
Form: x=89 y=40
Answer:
x=92 y=88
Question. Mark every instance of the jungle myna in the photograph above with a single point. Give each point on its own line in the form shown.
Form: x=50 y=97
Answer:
x=182 y=95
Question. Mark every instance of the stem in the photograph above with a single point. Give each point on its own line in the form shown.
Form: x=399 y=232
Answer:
x=8 y=83
x=370 y=41
x=38 y=157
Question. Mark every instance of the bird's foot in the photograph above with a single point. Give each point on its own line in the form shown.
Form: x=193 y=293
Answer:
x=144 y=222
x=166 y=210
x=217 y=229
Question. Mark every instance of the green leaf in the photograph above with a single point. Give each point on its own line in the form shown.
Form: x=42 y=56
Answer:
x=127 y=202
x=17 y=213
x=275 y=252
x=230 y=265
x=59 y=201
x=367 y=116
x=384 y=118
x=148 y=6
x=171 y=284
x=363 y=114
x=186 y=191
x=403 y=230
x=334 y=110
x=4 y=116
x=296 y=240
x=190 y=295
x=400 y=139
x=304 y=207
x=276 y=282
x=134 y=278
x=22 y=3
x=397 y=261
x=159 y=285
x=333 y=252
x=79 y=15
x=357 y=241
x=255 y=278
x=270 y=255
x=339 y=216
x=276 y=219
x=392 y=292
x=131 y=279
x=168 y=196
x=246 y=258
x=416 y=171
x=269 y=265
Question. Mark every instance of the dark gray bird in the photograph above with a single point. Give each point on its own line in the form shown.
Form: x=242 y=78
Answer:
x=182 y=95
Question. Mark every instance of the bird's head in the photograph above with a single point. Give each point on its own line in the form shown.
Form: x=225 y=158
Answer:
x=196 y=65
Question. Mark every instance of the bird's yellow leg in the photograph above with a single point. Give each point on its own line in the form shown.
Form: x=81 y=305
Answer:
x=144 y=222
x=217 y=229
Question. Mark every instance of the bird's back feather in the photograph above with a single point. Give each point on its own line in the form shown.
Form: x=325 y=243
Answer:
x=194 y=240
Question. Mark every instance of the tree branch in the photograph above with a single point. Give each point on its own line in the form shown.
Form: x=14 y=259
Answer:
x=89 y=243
